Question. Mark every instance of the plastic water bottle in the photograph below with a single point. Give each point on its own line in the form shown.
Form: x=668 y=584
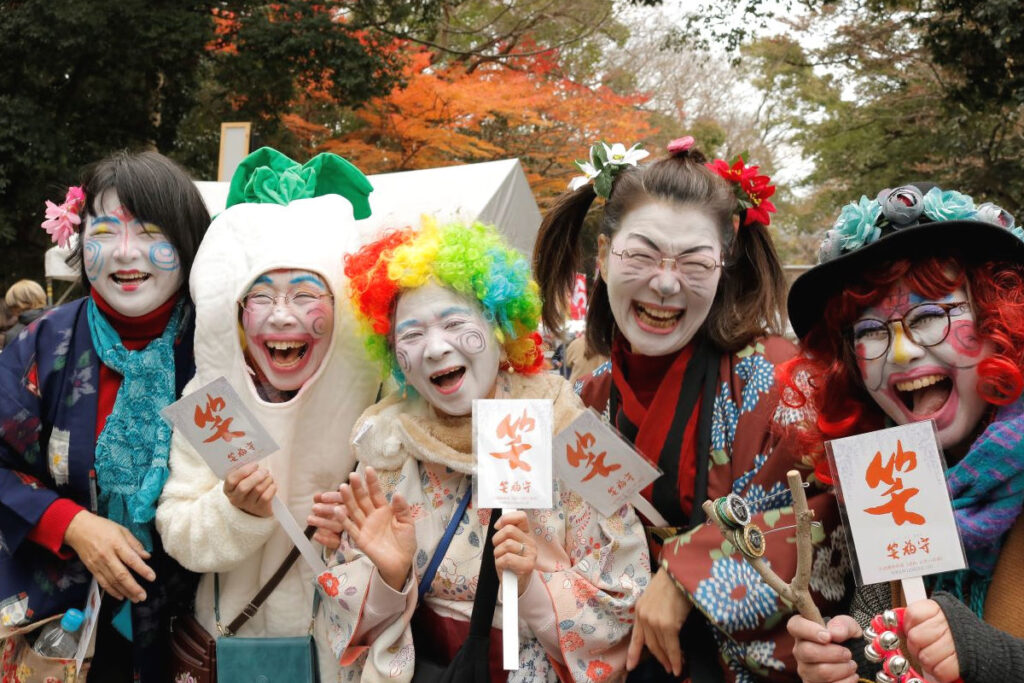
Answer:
x=59 y=639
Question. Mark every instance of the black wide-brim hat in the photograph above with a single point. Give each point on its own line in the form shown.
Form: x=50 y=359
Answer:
x=969 y=241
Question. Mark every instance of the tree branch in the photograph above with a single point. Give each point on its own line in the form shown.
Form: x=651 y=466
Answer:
x=798 y=590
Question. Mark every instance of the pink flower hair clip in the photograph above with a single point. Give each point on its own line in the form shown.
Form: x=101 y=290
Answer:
x=62 y=221
x=680 y=144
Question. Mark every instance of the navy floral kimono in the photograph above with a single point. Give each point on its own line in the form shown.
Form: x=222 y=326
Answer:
x=48 y=406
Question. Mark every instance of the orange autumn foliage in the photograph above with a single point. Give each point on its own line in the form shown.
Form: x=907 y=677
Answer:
x=448 y=114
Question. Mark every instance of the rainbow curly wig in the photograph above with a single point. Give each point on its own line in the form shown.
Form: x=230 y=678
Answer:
x=473 y=260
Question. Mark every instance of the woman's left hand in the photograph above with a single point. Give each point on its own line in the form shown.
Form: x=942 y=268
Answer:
x=515 y=548
x=328 y=528
x=930 y=641
x=660 y=613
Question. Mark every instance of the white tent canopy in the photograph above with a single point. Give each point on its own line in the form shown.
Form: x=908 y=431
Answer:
x=493 y=192
x=54 y=265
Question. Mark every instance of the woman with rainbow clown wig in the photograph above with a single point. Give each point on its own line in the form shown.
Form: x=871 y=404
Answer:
x=83 y=448
x=916 y=312
x=688 y=305
x=449 y=311
x=271 y=317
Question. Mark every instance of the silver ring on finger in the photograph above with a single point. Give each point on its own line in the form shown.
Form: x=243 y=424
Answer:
x=522 y=548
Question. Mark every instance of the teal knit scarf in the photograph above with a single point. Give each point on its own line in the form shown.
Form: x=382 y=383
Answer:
x=987 y=488
x=132 y=449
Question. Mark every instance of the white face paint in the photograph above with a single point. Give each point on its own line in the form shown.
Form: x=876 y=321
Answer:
x=446 y=348
x=288 y=318
x=911 y=382
x=658 y=306
x=132 y=265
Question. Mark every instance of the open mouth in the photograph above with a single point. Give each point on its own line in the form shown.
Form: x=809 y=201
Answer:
x=129 y=279
x=286 y=354
x=925 y=396
x=448 y=380
x=655 y=318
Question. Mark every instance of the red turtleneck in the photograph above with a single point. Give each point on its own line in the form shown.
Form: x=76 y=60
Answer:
x=135 y=334
x=645 y=373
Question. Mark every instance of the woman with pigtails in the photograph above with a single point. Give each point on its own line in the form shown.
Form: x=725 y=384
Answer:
x=688 y=304
x=450 y=313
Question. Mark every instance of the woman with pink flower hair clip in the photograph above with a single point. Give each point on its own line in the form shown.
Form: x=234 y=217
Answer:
x=83 y=448
x=689 y=305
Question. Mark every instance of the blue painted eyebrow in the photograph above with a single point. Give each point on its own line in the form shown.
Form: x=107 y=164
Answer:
x=919 y=299
x=307 y=278
x=106 y=219
x=455 y=309
x=406 y=323
x=263 y=280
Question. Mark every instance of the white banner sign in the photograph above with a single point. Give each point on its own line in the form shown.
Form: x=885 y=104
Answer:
x=893 y=491
x=600 y=465
x=512 y=440
x=220 y=427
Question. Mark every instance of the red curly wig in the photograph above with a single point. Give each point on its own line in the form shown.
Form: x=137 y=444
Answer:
x=827 y=374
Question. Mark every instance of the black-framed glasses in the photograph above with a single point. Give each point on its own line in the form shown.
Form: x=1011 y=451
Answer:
x=925 y=324
x=259 y=302
x=695 y=267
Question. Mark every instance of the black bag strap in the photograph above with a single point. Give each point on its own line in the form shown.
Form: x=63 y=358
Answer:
x=487 y=587
x=249 y=611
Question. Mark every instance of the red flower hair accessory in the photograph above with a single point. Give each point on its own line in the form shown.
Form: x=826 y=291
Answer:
x=62 y=221
x=752 y=190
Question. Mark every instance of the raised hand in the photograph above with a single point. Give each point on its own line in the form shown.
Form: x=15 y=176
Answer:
x=251 y=489
x=108 y=551
x=819 y=656
x=385 y=533
x=515 y=547
x=660 y=613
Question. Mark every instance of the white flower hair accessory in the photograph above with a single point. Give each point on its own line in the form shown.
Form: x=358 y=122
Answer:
x=604 y=164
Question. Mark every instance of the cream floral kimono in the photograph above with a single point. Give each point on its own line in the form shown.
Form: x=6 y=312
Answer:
x=576 y=614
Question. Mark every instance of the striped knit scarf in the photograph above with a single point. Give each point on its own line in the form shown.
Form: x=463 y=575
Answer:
x=987 y=487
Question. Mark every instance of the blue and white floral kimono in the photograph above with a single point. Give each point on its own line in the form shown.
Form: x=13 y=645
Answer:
x=48 y=403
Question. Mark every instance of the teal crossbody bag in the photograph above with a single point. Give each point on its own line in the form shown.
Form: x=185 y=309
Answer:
x=265 y=660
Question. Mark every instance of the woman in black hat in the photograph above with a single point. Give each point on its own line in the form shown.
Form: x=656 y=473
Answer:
x=916 y=312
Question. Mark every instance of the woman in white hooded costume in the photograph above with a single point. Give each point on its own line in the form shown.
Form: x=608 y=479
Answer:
x=273 y=223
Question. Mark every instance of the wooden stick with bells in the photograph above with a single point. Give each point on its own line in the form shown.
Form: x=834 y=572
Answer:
x=732 y=516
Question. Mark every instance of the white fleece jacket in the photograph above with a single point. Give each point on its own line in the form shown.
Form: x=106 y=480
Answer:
x=199 y=526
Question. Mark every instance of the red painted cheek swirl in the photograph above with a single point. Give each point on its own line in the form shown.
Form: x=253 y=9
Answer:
x=963 y=337
x=319 y=323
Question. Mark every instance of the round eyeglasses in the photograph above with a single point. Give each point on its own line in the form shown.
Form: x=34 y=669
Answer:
x=925 y=324
x=257 y=303
x=693 y=267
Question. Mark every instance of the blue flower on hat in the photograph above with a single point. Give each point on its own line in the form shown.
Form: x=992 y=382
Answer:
x=855 y=226
x=948 y=205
